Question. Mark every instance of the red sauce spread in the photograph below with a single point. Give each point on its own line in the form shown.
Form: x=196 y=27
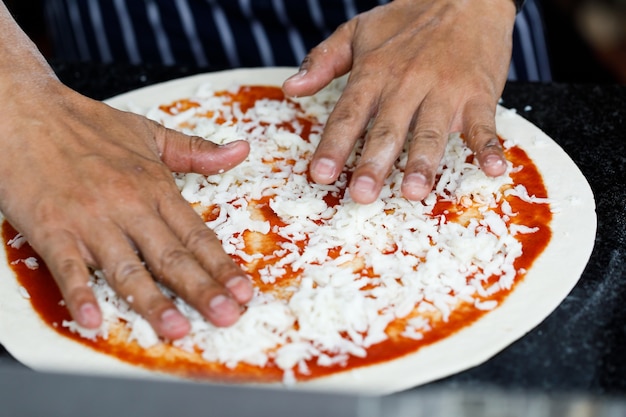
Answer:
x=46 y=298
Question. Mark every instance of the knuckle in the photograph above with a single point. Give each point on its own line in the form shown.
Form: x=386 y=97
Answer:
x=429 y=137
x=153 y=304
x=69 y=267
x=386 y=133
x=76 y=296
x=224 y=268
x=199 y=237
x=126 y=273
x=71 y=277
x=421 y=164
x=480 y=134
x=384 y=141
x=344 y=111
x=358 y=91
x=53 y=215
x=173 y=259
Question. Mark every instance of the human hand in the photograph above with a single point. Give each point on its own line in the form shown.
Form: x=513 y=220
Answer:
x=91 y=186
x=418 y=67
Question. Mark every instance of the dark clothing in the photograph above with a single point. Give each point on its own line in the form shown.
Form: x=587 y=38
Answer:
x=233 y=33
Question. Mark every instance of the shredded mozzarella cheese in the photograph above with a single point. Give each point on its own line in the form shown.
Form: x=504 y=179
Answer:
x=419 y=266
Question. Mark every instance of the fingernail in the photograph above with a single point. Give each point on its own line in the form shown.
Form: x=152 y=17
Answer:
x=223 y=305
x=324 y=168
x=364 y=186
x=493 y=164
x=415 y=186
x=493 y=161
x=89 y=316
x=240 y=288
x=298 y=74
x=174 y=321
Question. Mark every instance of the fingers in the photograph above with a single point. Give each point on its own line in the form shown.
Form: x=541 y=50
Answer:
x=184 y=255
x=314 y=74
x=429 y=138
x=193 y=154
x=182 y=153
x=383 y=143
x=343 y=127
x=66 y=264
x=397 y=55
x=330 y=59
x=188 y=258
x=428 y=142
x=480 y=134
x=128 y=277
x=433 y=122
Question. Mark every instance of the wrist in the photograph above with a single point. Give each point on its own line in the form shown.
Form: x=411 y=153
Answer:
x=20 y=59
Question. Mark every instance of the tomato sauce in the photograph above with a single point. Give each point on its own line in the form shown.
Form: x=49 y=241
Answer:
x=46 y=298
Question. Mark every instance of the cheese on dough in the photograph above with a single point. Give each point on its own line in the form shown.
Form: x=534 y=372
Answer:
x=357 y=268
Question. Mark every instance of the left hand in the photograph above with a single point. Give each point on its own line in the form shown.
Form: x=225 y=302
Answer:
x=418 y=67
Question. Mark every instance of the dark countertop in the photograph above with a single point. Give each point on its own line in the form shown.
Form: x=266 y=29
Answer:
x=581 y=346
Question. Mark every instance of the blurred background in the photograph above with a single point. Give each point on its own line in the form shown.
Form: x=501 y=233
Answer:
x=586 y=38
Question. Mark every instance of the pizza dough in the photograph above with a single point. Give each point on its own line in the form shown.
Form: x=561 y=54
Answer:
x=545 y=285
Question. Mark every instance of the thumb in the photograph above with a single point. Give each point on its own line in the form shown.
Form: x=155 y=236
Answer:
x=182 y=153
x=330 y=59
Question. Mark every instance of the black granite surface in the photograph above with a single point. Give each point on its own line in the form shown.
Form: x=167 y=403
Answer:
x=581 y=346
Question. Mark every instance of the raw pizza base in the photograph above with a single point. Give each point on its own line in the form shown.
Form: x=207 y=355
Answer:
x=546 y=284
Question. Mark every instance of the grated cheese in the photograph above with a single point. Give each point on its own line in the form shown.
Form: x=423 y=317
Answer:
x=418 y=266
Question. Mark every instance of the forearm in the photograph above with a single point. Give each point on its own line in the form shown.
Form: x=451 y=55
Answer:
x=20 y=60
